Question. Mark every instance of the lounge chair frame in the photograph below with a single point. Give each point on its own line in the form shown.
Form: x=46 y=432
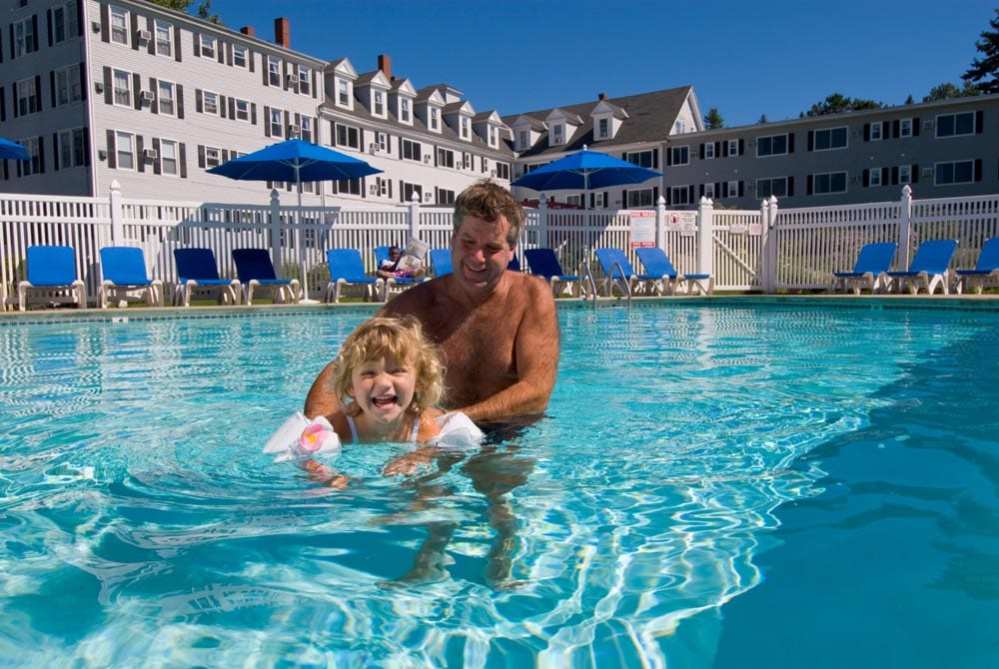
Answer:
x=919 y=278
x=229 y=290
x=285 y=290
x=46 y=292
x=375 y=288
x=115 y=293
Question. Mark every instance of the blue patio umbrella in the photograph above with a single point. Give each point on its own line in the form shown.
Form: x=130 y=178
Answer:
x=295 y=161
x=9 y=149
x=585 y=170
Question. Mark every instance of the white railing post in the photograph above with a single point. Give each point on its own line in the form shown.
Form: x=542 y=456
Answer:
x=705 y=237
x=542 y=221
x=414 y=216
x=661 y=223
x=117 y=214
x=763 y=268
x=905 y=226
x=771 y=249
x=275 y=223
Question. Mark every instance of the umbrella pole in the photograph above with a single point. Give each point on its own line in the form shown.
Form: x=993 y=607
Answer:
x=298 y=239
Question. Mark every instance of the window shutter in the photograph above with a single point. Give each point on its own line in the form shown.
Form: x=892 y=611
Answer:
x=624 y=156
x=154 y=107
x=228 y=54
x=808 y=185
x=724 y=149
x=3 y=106
x=624 y=199
x=48 y=16
x=13 y=98
x=112 y=156
x=41 y=146
x=251 y=58
x=692 y=193
x=811 y=140
x=717 y=149
x=52 y=85
x=655 y=196
x=196 y=42
x=232 y=107
x=896 y=128
x=134 y=20
x=105 y=22
x=655 y=159
x=83 y=80
x=702 y=150
x=38 y=92
x=55 y=152
x=263 y=69
x=867 y=132
x=79 y=17
x=220 y=47
x=176 y=44
x=914 y=173
x=790 y=186
x=741 y=184
x=790 y=142
x=86 y=142
x=742 y=149
x=180 y=101
x=915 y=127
x=701 y=191
x=867 y=179
x=287 y=125
x=885 y=176
x=253 y=113
x=201 y=156
x=978 y=164
x=894 y=175
x=151 y=27
x=225 y=156
x=718 y=190
x=267 y=121
x=885 y=129
x=979 y=122
x=198 y=101
x=140 y=161
x=669 y=195
x=157 y=165
x=724 y=189
x=223 y=109
x=669 y=157
x=315 y=86
x=136 y=90
x=183 y=161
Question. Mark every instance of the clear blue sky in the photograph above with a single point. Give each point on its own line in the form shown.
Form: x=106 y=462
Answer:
x=774 y=57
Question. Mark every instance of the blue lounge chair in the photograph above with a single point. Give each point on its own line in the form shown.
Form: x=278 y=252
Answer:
x=928 y=268
x=440 y=261
x=544 y=263
x=658 y=264
x=255 y=270
x=52 y=271
x=514 y=264
x=618 y=271
x=987 y=267
x=347 y=269
x=381 y=256
x=870 y=270
x=124 y=269
x=196 y=268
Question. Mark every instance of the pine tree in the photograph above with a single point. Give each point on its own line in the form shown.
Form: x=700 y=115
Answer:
x=713 y=120
x=763 y=119
x=179 y=5
x=909 y=100
x=984 y=71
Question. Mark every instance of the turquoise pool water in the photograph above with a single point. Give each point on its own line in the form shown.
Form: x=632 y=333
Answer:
x=781 y=485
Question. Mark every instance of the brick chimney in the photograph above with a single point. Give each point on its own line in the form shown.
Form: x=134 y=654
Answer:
x=282 y=32
x=601 y=96
x=248 y=31
x=385 y=65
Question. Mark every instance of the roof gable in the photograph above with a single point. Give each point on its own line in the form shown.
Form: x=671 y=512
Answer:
x=404 y=87
x=344 y=68
x=376 y=79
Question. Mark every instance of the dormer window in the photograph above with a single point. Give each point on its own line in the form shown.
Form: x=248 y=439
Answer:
x=492 y=136
x=603 y=128
x=523 y=139
x=435 y=118
x=378 y=108
x=465 y=128
x=404 y=112
x=558 y=134
x=343 y=92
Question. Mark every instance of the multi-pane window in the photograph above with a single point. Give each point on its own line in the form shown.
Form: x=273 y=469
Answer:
x=122 y=88
x=503 y=170
x=119 y=25
x=305 y=129
x=776 y=186
x=164 y=39
x=445 y=196
x=955 y=125
x=485 y=164
x=411 y=150
x=709 y=151
x=733 y=147
x=523 y=139
x=640 y=198
x=34 y=164
x=641 y=158
x=168 y=157
x=304 y=80
x=774 y=145
x=958 y=172
x=165 y=94
x=349 y=187
x=65 y=22
x=349 y=136
x=242 y=110
x=342 y=93
x=404 y=111
x=435 y=118
x=445 y=158
x=905 y=128
x=384 y=186
x=409 y=190
x=466 y=160
x=276 y=122
x=874 y=174
x=558 y=133
x=680 y=155
x=905 y=174
x=603 y=128
x=273 y=71
x=72 y=145
x=491 y=132
x=68 y=86
x=379 y=103
x=680 y=195
x=213 y=157
x=830 y=182
x=875 y=132
x=209 y=46
x=210 y=102
x=381 y=139
x=25 y=39
x=240 y=56
x=124 y=147
x=27 y=97
x=466 y=128
x=732 y=188
x=830 y=138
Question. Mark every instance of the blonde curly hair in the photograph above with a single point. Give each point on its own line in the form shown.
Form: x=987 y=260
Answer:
x=399 y=338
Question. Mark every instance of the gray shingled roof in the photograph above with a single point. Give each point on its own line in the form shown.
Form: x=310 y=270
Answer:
x=426 y=92
x=651 y=117
x=366 y=78
x=454 y=107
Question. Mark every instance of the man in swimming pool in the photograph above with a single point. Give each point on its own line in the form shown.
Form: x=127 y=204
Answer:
x=497 y=330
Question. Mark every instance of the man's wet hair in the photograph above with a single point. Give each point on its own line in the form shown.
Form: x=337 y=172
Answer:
x=488 y=200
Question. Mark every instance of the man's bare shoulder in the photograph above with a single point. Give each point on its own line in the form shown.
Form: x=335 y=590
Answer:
x=416 y=300
x=532 y=290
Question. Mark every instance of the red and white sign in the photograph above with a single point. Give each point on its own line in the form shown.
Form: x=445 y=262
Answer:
x=643 y=229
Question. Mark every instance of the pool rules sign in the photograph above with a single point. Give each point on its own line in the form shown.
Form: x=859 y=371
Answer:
x=643 y=229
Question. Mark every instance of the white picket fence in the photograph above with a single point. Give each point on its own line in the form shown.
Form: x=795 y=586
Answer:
x=767 y=249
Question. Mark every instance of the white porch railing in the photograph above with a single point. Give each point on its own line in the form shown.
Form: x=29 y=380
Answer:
x=766 y=249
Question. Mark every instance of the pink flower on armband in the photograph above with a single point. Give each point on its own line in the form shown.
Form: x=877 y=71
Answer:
x=314 y=437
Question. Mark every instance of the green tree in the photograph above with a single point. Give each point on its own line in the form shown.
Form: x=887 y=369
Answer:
x=947 y=90
x=909 y=100
x=204 y=10
x=837 y=102
x=713 y=119
x=179 y=5
x=984 y=71
x=763 y=119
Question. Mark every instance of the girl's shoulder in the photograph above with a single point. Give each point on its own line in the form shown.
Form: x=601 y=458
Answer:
x=340 y=425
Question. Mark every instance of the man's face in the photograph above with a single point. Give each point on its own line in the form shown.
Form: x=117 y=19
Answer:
x=480 y=254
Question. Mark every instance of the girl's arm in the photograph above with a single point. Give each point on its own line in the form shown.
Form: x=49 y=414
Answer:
x=410 y=462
